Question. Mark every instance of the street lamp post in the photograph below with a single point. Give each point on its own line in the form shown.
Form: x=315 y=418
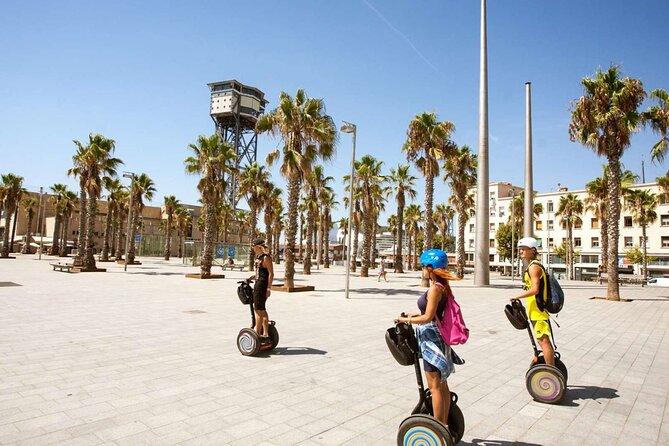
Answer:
x=350 y=128
x=128 y=235
x=39 y=224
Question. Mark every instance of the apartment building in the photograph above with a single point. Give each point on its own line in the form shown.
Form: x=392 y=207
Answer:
x=551 y=232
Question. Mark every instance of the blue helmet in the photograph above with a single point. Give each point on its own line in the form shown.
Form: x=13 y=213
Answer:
x=436 y=258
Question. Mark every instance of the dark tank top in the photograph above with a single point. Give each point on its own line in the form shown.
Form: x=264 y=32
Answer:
x=262 y=273
x=422 y=304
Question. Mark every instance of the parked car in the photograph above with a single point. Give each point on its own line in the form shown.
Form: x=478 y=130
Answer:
x=658 y=281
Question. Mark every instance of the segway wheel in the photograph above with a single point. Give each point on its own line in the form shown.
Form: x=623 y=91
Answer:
x=248 y=342
x=273 y=335
x=456 y=420
x=545 y=383
x=423 y=430
x=558 y=363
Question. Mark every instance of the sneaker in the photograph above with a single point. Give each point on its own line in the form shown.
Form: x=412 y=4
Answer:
x=265 y=340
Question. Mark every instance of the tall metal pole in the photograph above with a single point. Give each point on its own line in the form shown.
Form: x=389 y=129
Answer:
x=513 y=235
x=39 y=224
x=128 y=235
x=529 y=201
x=350 y=128
x=482 y=257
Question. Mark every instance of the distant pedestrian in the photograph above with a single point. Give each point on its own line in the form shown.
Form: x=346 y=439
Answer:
x=382 y=271
x=600 y=270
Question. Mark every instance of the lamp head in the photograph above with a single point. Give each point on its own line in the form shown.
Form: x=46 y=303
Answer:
x=347 y=127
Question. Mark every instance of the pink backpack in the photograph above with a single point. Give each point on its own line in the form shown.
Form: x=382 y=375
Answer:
x=452 y=327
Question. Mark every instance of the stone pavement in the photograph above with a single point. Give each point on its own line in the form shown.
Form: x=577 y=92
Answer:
x=149 y=357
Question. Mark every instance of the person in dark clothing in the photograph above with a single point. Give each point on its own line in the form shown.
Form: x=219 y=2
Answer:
x=264 y=274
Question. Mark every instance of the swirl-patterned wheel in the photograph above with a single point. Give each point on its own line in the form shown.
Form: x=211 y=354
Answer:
x=545 y=383
x=248 y=342
x=423 y=430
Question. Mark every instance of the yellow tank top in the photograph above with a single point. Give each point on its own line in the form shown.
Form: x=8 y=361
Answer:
x=532 y=308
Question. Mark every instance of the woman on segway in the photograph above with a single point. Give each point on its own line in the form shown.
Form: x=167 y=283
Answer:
x=264 y=274
x=437 y=359
x=535 y=285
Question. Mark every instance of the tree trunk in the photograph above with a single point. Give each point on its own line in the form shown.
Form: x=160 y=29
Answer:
x=108 y=229
x=25 y=249
x=253 y=219
x=373 y=250
x=326 y=241
x=168 y=235
x=604 y=242
x=613 y=290
x=134 y=217
x=460 y=256
x=301 y=235
x=65 y=235
x=399 y=266
x=209 y=236
x=409 y=241
x=81 y=237
x=56 y=232
x=319 y=257
x=291 y=231
x=306 y=261
x=268 y=233
x=570 y=250
x=354 y=254
x=114 y=230
x=89 y=260
x=367 y=237
x=644 y=271
x=429 y=228
x=120 y=246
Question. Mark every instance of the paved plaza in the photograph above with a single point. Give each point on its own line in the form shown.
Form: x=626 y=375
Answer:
x=149 y=357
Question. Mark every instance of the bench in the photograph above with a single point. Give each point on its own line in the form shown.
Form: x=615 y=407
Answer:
x=237 y=265
x=622 y=279
x=62 y=267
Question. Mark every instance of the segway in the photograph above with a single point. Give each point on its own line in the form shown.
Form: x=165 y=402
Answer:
x=545 y=383
x=421 y=428
x=248 y=341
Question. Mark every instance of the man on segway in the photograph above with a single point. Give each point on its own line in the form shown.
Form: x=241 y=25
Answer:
x=535 y=290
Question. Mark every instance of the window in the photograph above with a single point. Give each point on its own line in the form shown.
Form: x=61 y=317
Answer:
x=501 y=211
x=578 y=224
x=472 y=213
x=492 y=194
x=663 y=199
x=628 y=222
x=471 y=243
x=664 y=220
x=492 y=257
x=471 y=227
x=594 y=242
x=665 y=242
x=492 y=211
x=538 y=225
x=629 y=242
x=492 y=227
x=550 y=225
x=550 y=206
x=470 y=257
x=550 y=242
x=594 y=223
x=492 y=243
x=577 y=242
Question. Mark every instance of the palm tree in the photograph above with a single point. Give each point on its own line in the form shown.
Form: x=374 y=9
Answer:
x=604 y=119
x=663 y=183
x=428 y=142
x=12 y=191
x=596 y=201
x=253 y=181
x=413 y=216
x=142 y=187
x=308 y=134
x=316 y=180
x=170 y=203
x=29 y=204
x=402 y=184
x=570 y=210
x=369 y=175
x=270 y=200
x=642 y=204
x=460 y=172
x=113 y=186
x=658 y=118
x=443 y=214
x=342 y=224
x=242 y=221
x=59 y=191
x=518 y=208
x=183 y=219
x=328 y=202
x=91 y=163
x=122 y=211
x=211 y=159
x=392 y=227
x=67 y=204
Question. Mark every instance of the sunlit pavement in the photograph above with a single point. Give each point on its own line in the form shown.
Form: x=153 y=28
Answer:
x=150 y=357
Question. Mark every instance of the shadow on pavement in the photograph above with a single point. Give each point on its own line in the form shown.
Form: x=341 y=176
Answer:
x=481 y=442
x=289 y=351
x=575 y=393
x=153 y=273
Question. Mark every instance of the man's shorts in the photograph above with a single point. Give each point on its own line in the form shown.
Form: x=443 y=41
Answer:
x=541 y=329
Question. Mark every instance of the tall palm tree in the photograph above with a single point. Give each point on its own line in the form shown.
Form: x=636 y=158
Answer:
x=428 y=142
x=328 y=203
x=658 y=118
x=277 y=226
x=368 y=173
x=59 y=191
x=596 y=202
x=120 y=223
x=443 y=215
x=211 y=159
x=68 y=203
x=569 y=210
x=12 y=186
x=170 y=204
x=402 y=185
x=91 y=163
x=270 y=200
x=253 y=181
x=604 y=119
x=460 y=172
x=315 y=181
x=342 y=223
x=413 y=216
x=518 y=217
x=183 y=220
x=392 y=227
x=29 y=204
x=142 y=187
x=642 y=204
x=308 y=134
x=113 y=186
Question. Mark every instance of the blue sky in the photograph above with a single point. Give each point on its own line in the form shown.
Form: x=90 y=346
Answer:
x=137 y=72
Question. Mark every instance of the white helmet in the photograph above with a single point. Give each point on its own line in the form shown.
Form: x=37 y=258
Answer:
x=528 y=242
